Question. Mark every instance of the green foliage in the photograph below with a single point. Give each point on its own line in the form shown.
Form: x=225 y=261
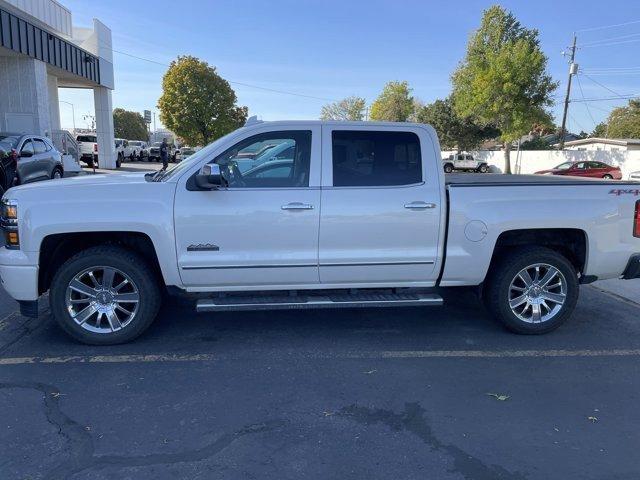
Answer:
x=600 y=131
x=624 y=122
x=129 y=125
x=502 y=79
x=454 y=132
x=350 y=108
x=197 y=103
x=395 y=103
x=537 y=143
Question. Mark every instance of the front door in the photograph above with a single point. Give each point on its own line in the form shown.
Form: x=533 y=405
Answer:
x=381 y=207
x=262 y=229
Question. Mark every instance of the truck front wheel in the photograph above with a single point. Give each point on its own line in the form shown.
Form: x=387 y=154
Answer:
x=531 y=290
x=105 y=295
x=448 y=168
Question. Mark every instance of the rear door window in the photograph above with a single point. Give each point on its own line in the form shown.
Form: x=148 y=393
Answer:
x=39 y=146
x=375 y=158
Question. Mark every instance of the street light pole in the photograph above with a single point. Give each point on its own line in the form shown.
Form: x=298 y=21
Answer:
x=73 y=114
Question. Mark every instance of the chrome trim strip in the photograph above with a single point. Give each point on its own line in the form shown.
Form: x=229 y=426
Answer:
x=227 y=267
x=362 y=264
x=367 y=264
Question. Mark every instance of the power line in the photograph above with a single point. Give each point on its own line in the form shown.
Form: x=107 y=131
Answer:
x=609 y=44
x=266 y=89
x=586 y=105
x=610 y=39
x=603 y=86
x=633 y=22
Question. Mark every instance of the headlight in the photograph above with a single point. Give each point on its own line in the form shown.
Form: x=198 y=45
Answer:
x=9 y=223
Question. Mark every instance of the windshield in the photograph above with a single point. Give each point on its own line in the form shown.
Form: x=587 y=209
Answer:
x=564 y=166
x=201 y=154
x=135 y=144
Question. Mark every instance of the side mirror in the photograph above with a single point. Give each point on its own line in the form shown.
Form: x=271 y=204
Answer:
x=26 y=154
x=209 y=177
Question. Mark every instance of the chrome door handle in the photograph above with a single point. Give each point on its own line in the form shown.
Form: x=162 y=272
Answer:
x=297 y=206
x=419 y=205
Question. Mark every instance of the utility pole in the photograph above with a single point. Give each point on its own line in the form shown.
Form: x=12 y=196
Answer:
x=573 y=69
x=154 y=125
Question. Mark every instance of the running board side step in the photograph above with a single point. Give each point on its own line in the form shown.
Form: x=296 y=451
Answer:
x=223 y=304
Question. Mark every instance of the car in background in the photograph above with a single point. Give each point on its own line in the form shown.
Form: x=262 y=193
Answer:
x=33 y=157
x=634 y=176
x=464 y=162
x=186 y=152
x=154 y=152
x=123 y=151
x=585 y=168
x=282 y=151
x=88 y=147
x=139 y=150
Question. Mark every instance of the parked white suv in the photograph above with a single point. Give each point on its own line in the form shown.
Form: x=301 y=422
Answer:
x=464 y=162
x=139 y=150
x=88 y=147
x=358 y=215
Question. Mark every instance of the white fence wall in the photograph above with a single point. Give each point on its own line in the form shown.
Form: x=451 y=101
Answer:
x=531 y=161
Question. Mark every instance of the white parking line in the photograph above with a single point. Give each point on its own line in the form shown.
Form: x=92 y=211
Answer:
x=398 y=354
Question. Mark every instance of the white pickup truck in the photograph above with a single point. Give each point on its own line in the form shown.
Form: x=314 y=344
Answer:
x=357 y=215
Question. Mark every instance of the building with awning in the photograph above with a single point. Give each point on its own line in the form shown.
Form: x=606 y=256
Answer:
x=41 y=51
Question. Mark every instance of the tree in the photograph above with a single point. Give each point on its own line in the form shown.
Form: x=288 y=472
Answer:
x=453 y=130
x=129 y=125
x=600 y=131
x=624 y=122
x=395 y=103
x=350 y=108
x=503 y=80
x=197 y=103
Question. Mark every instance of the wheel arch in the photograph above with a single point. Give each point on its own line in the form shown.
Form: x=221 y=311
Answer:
x=57 y=248
x=572 y=243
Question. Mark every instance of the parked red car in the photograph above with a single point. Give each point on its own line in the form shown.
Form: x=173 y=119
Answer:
x=585 y=169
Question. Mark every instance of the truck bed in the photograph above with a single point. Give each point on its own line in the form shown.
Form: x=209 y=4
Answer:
x=492 y=179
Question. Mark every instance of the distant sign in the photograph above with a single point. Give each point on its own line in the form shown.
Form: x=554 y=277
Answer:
x=147 y=116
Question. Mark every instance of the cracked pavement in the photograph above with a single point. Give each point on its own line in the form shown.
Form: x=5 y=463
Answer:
x=316 y=394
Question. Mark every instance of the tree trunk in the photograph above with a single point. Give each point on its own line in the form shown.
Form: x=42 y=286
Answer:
x=507 y=158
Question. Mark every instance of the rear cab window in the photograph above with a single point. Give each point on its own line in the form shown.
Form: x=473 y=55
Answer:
x=366 y=158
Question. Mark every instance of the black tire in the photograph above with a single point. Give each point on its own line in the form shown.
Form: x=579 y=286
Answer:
x=107 y=256
x=607 y=177
x=484 y=168
x=448 y=168
x=57 y=170
x=119 y=160
x=496 y=289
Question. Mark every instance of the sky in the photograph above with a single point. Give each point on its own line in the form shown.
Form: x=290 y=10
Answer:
x=330 y=49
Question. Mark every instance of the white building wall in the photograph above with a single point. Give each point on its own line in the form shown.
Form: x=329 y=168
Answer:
x=49 y=12
x=24 y=103
x=531 y=161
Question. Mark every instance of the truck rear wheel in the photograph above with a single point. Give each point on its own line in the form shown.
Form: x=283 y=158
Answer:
x=532 y=290
x=105 y=295
x=448 y=168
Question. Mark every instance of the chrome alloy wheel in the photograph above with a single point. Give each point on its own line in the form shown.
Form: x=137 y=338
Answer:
x=537 y=293
x=102 y=299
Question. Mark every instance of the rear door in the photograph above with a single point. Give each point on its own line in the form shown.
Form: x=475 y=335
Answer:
x=381 y=206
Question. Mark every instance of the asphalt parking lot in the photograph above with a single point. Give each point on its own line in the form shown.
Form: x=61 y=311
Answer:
x=387 y=393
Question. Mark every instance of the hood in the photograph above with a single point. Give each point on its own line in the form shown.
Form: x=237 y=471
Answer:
x=84 y=181
x=550 y=170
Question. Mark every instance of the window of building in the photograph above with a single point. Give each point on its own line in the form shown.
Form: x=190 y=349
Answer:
x=269 y=160
x=366 y=158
